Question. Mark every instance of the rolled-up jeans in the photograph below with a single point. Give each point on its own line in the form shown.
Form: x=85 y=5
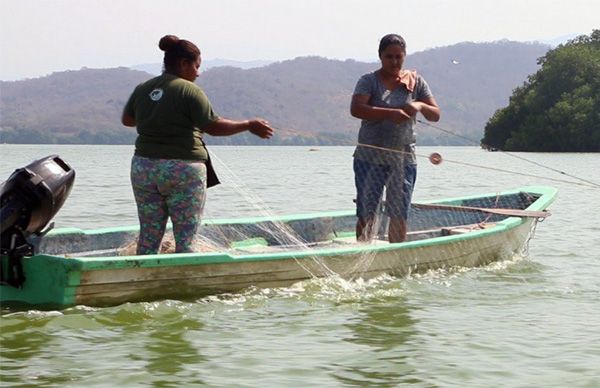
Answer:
x=166 y=188
x=370 y=180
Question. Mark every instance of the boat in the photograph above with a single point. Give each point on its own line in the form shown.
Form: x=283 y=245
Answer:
x=93 y=268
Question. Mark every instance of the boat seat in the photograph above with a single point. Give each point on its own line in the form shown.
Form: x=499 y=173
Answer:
x=351 y=240
x=465 y=229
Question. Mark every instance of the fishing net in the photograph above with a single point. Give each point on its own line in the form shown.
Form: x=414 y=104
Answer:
x=308 y=238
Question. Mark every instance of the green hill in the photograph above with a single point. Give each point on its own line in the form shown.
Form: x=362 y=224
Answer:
x=306 y=98
x=558 y=108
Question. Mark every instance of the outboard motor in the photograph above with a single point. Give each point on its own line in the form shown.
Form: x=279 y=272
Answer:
x=29 y=199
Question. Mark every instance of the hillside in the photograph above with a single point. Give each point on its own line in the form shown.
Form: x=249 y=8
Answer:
x=81 y=106
x=306 y=98
x=558 y=108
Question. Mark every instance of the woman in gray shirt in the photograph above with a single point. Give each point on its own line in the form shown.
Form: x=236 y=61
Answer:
x=387 y=101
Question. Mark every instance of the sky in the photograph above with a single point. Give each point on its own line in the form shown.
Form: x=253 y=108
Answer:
x=38 y=37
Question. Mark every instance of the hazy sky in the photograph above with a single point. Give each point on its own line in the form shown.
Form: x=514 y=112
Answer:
x=42 y=36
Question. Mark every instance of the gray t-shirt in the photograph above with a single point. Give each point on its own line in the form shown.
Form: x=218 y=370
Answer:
x=385 y=133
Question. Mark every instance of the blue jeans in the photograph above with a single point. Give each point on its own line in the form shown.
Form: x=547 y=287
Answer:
x=370 y=180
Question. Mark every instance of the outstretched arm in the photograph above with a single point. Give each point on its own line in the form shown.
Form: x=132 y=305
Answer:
x=226 y=127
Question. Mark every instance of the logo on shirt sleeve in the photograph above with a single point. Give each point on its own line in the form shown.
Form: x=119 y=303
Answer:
x=156 y=94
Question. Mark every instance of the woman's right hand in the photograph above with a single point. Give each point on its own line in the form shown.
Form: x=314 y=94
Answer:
x=398 y=116
x=260 y=128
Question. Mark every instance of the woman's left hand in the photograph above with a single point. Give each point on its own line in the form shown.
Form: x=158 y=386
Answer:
x=412 y=108
x=260 y=128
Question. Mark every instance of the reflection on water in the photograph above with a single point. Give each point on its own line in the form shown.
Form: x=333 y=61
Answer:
x=384 y=325
x=24 y=339
x=387 y=330
x=169 y=353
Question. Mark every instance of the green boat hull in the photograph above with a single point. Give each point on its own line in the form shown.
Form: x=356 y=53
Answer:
x=78 y=267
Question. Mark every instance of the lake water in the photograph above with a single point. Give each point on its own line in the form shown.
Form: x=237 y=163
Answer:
x=532 y=321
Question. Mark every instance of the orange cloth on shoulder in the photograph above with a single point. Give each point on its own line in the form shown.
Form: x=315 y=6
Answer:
x=408 y=78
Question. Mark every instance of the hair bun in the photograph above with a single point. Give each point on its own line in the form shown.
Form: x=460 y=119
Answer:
x=168 y=42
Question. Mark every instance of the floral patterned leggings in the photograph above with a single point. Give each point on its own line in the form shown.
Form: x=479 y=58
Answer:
x=166 y=188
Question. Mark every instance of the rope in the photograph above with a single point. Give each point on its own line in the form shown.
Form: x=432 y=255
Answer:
x=486 y=168
x=523 y=174
x=588 y=182
x=582 y=182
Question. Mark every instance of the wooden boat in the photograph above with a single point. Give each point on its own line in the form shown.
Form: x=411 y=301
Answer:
x=86 y=267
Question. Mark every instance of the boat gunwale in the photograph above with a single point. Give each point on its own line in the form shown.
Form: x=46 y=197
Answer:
x=90 y=263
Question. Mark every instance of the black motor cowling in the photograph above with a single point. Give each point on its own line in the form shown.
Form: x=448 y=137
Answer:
x=29 y=199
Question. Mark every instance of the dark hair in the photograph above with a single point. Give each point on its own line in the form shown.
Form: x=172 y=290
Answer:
x=390 y=39
x=176 y=49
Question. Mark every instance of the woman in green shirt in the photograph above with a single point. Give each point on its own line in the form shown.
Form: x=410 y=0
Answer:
x=169 y=167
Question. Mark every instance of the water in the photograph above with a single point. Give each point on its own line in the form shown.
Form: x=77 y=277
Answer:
x=532 y=321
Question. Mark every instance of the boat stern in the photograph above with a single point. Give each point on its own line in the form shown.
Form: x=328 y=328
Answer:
x=50 y=281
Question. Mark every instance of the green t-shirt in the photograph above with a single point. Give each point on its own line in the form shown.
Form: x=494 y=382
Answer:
x=169 y=114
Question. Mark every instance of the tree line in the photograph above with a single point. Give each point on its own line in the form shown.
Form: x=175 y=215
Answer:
x=558 y=108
